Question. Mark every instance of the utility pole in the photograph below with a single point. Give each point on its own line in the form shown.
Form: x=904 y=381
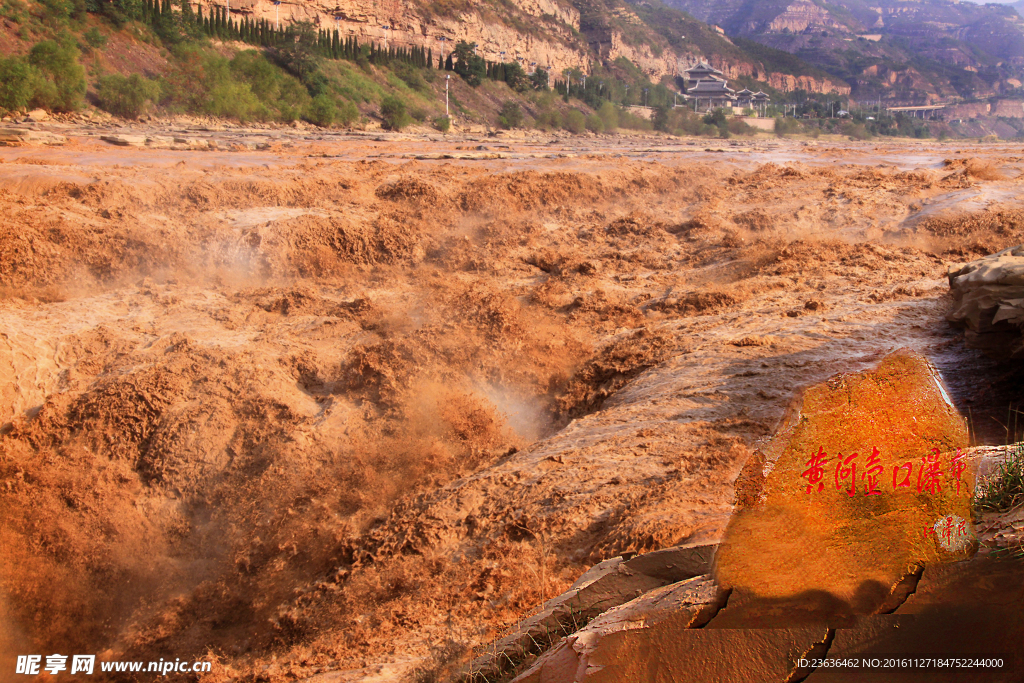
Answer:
x=447 y=77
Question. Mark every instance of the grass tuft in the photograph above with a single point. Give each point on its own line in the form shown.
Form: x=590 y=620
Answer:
x=1004 y=490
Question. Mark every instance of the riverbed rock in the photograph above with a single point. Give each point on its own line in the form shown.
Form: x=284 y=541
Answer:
x=865 y=479
x=22 y=136
x=603 y=587
x=988 y=301
x=125 y=140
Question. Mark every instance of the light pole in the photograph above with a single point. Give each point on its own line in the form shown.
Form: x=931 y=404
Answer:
x=442 y=39
x=386 y=28
x=447 y=77
x=645 y=97
x=277 y=13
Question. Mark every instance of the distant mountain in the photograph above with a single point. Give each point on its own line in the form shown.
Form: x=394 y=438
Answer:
x=896 y=50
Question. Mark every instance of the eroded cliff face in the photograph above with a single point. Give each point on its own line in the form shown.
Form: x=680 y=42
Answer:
x=800 y=16
x=548 y=40
x=540 y=33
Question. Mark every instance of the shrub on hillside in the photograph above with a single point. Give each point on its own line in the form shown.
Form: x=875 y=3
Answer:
x=247 y=87
x=575 y=121
x=393 y=113
x=549 y=120
x=236 y=100
x=59 y=63
x=411 y=75
x=17 y=83
x=716 y=118
x=347 y=113
x=857 y=131
x=126 y=97
x=510 y=116
x=609 y=116
x=95 y=39
x=322 y=111
x=595 y=124
x=737 y=127
x=785 y=126
x=443 y=124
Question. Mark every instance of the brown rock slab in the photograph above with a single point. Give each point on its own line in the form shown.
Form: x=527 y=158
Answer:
x=125 y=140
x=570 y=660
x=603 y=587
x=966 y=610
x=863 y=481
x=988 y=301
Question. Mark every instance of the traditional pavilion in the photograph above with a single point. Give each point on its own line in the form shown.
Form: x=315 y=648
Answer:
x=711 y=87
x=716 y=93
x=759 y=101
x=703 y=72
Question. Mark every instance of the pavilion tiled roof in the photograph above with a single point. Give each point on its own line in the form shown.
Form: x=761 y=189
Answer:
x=715 y=87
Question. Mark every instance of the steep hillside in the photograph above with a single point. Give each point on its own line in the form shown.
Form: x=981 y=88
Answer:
x=892 y=50
x=552 y=34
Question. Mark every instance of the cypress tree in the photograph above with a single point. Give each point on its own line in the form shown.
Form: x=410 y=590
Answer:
x=336 y=45
x=430 y=57
x=449 y=65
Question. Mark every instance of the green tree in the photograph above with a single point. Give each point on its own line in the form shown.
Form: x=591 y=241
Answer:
x=511 y=116
x=322 y=111
x=59 y=62
x=539 y=79
x=298 y=54
x=609 y=116
x=393 y=113
x=468 y=64
x=575 y=121
x=126 y=97
x=17 y=83
x=515 y=76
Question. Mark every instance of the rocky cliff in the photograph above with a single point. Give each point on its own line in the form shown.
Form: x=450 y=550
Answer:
x=926 y=37
x=541 y=32
x=544 y=33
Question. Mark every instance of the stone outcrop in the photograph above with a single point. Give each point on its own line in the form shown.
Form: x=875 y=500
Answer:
x=12 y=137
x=988 y=302
x=862 y=462
x=601 y=590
